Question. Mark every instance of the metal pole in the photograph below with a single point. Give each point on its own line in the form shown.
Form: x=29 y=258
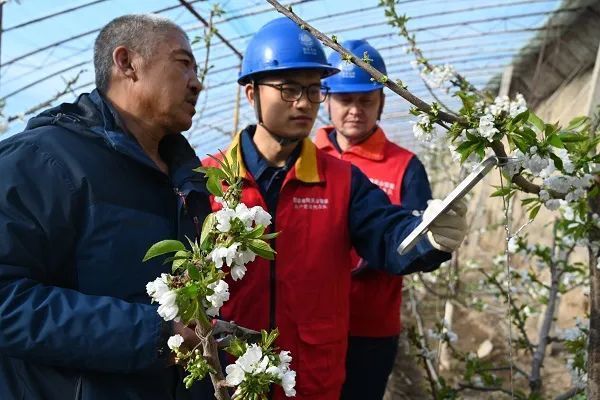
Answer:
x=594 y=99
x=236 y=109
x=506 y=80
x=1 y=30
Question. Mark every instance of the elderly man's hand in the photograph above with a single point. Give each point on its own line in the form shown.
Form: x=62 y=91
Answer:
x=190 y=339
x=447 y=232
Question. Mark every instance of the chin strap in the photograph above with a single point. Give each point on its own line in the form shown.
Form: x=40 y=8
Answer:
x=283 y=141
x=381 y=100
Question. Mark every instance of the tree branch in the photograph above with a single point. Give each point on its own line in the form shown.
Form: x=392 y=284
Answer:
x=519 y=180
x=378 y=76
x=463 y=386
x=535 y=380
x=422 y=344
x=497 y=147
x=569 y=394
x=210 y=352
x=519 y=322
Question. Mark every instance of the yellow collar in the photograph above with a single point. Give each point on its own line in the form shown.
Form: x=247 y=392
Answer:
x=306 y=168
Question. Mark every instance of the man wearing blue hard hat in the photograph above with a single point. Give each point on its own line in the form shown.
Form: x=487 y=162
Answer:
x=355 y=105
x=322 y=207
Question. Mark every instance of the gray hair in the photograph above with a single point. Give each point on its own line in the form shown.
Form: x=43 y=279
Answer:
x=138 y=32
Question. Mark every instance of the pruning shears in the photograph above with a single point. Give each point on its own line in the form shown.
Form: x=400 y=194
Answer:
x=224 y=332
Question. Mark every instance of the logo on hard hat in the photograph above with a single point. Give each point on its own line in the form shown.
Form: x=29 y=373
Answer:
x=347 y=70
x=308 y=45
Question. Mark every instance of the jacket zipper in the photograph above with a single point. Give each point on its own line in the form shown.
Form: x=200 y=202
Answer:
x=183 y=203
x=78 y=387
x=273 y=276
x=180 y=204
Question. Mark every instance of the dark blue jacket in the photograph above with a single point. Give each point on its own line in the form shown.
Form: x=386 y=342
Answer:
x=80 y=203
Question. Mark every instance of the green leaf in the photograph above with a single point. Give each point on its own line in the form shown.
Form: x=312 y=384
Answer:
x=188 y=306
x=465 y=146
x=501 y=192
x=550 y=130
x=193 y=272
x=214 y=186
x=223 y=163
x=216 y=173
x=467 y=99
x=567 y=137
x=256 y=232
x=557 y=161
x=163 y=247
x=269 y=236
x=528 y=134
x=521 y=144
x=480 y=150
x=207 y=226
x=529 y=200
x=534 y=211
x=179 y=259
x=174 y=258
x=524 y=116
x=554 y=140
x=236 y=348
x=468 y=151
x=577 y=122
x=235 y=169
x=261 y=248
x=536 y=121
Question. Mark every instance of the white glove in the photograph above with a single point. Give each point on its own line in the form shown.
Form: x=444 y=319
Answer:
x=447 y=232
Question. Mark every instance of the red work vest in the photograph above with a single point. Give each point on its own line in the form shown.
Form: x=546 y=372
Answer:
x=306 y=289
x=375 y=296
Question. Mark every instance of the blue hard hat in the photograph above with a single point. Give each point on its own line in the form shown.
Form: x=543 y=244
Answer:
x=282 y=45
x=352 y=78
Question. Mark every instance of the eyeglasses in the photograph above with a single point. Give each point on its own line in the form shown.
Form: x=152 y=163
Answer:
x=291 y=92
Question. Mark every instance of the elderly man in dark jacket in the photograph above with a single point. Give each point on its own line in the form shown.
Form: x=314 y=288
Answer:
x=86 y=189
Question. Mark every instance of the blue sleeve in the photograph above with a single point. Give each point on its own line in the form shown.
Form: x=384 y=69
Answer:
x=377 y=228
x=41 y=318
x=415 y=190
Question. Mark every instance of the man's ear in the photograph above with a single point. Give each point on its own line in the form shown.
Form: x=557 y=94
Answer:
x=381 y=104
x=124 y=63
x=328 y=106
x=249 y=91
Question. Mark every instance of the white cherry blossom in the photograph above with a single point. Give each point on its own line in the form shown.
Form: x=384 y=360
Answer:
x=175 y=342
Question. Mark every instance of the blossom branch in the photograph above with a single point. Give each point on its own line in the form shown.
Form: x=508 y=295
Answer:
x=348 y=56
x=398 y=88
x=399 y=21
x=231 y=238
x=519 y=180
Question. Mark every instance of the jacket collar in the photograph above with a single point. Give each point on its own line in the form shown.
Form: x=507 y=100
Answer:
x=306 y=168
x=92 y=115
x=373 y=148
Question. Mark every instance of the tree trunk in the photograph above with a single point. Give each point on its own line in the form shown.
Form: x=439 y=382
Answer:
x=593 y=361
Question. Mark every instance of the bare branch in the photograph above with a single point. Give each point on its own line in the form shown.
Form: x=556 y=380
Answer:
x=569 y=394
x=535 y=380
x=378 y=76
x=463 y=386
